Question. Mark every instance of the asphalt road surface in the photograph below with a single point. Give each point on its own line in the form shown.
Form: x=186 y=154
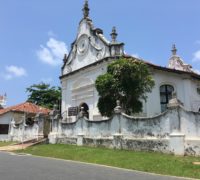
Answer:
x=23 y=167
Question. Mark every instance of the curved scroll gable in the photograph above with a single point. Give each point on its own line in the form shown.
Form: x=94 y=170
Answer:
x=90 y=46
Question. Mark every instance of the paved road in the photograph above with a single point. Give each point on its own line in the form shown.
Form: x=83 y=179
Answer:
x=20 y=167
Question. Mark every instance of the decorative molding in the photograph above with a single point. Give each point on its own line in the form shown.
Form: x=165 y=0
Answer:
x=100 y=49
x=82 y=44
x=82 y=87
x=67 y=69
x=82 y=97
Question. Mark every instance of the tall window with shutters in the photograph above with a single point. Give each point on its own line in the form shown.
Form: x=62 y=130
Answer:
x=166 y=91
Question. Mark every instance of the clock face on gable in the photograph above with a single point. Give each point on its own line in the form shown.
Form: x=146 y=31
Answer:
x=83 y=44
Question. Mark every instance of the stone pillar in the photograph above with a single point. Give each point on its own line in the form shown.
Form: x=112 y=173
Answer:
x=177 y=140
x=53 y=137
x=54 y=117
x=118 y=111
x=118 y=108
x=12 y=129
x=117 y=141
x=80 y=139
x=175 y=105
x=39 y=121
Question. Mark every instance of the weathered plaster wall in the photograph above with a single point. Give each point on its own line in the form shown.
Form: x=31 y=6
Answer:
x=23 y=133
x=4 y=137
x=158 y=126
x=174 y=131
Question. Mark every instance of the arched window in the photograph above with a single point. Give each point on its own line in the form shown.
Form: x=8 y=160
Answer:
x=166 y=91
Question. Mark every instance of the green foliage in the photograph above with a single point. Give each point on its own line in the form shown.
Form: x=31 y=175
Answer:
x=7 y=143
x=44 y=95
x=127 y=80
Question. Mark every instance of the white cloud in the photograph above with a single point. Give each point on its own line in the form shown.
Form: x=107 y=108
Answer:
x=53 y=52
x=16 y=71
x=196 y=56
x=13 y=71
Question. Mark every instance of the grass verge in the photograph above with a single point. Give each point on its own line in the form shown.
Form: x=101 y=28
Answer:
x=143 y=161
x=5 y=143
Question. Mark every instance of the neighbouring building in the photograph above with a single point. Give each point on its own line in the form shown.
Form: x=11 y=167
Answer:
x=23 y=121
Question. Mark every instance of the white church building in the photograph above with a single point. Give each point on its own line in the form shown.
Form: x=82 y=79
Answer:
x=169 y=121
x=89 y=57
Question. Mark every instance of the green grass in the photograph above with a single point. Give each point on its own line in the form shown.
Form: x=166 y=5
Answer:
x=4 y=143
x=143 y=161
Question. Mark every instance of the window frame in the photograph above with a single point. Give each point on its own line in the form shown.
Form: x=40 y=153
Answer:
x=166 y=94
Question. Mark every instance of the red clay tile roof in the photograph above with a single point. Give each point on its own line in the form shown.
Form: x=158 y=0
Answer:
x=26 y=107
x=192 y=74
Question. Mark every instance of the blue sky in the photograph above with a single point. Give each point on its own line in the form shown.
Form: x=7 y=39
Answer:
x=34 y=34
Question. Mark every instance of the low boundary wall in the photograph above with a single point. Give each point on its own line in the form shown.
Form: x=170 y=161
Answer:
x=175 y=131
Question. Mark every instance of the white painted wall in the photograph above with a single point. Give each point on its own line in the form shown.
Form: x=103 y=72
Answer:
x=88 y=94
x=6 y=118
x=21 y=133
x=184 y=86
x=4 y=137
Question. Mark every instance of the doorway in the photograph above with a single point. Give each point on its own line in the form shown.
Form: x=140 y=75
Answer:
x=85 y=109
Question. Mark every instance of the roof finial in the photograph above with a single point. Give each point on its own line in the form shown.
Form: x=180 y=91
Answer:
x=86 y=10
x=65 y=58
x=174 y=50
x=114 y=34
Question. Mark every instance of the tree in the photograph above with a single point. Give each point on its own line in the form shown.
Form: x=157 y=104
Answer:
x=127 y=80
x=44 y=95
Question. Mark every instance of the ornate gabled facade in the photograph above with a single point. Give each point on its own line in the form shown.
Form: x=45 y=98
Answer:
x=90 y=45
x=88 y=58
x=175 y=62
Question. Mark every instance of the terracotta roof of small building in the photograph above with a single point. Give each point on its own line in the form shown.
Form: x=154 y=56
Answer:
x=26 y=107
